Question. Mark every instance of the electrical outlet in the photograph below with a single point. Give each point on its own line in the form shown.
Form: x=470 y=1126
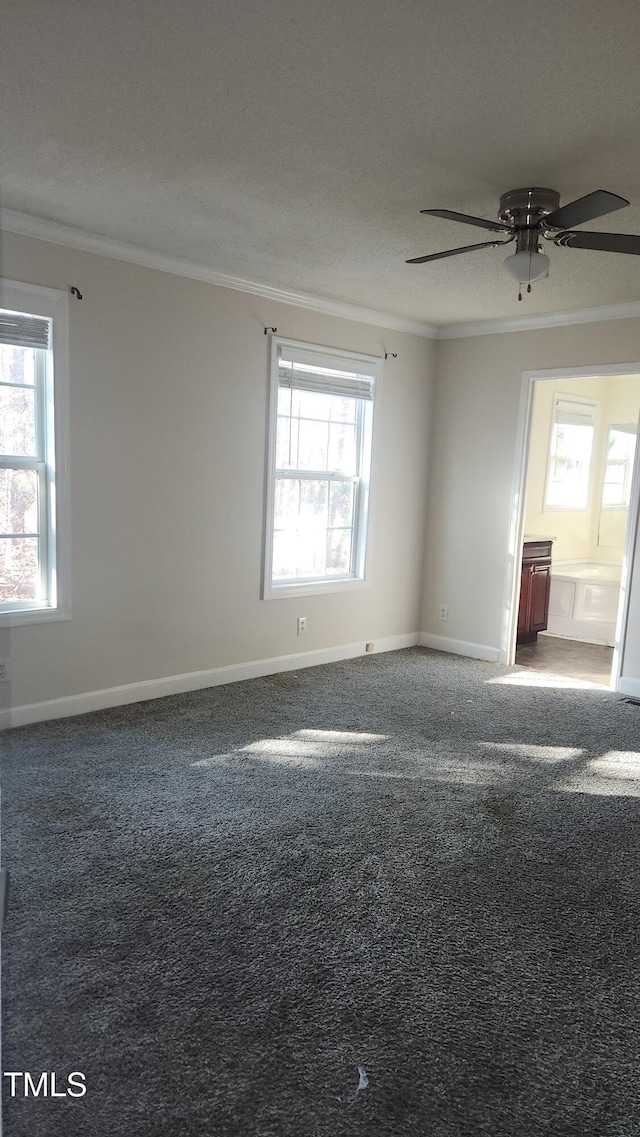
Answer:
x=4 y=670
x=444 y=612
x=302 y=625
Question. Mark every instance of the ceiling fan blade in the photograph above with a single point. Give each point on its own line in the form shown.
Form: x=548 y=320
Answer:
x=454 y=252
x=603 y=242
x=494 y=226
x=594 y=204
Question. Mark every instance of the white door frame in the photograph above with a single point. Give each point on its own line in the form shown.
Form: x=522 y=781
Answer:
x=516 y=526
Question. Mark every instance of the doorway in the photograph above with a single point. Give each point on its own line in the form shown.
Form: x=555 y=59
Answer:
x=574 y=523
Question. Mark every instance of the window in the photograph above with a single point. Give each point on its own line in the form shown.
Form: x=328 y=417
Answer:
x=320 y=440
x=621 y=448
x=33 y=489
x=570 y=456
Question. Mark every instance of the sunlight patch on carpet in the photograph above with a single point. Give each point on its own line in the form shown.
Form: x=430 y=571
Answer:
x=545 y=679
x=339 y=736
x=537 y=753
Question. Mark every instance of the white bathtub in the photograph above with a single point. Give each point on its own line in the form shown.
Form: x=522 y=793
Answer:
x=583 y=601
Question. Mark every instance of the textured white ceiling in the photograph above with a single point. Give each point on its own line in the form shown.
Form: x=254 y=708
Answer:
x=293 y=143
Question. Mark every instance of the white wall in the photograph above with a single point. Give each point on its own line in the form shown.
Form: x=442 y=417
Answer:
x=168 y=394
x=168 y=405
x=622 y=406
x=475 y=414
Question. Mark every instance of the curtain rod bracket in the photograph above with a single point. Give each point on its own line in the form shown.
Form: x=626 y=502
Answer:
x=270 y=330
x=391 y=355
x=75 y=292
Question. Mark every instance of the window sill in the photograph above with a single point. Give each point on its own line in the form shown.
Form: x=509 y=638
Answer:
x=313 y=588
x=33 y=616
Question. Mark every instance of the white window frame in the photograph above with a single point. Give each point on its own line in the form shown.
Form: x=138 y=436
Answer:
x=52 y=391
x=623 y=428
x=579 y=403
x=361 y=576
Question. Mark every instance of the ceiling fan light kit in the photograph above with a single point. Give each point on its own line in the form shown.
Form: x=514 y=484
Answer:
x=527 y=267
x=527 y=215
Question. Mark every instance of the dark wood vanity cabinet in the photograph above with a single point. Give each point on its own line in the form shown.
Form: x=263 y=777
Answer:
x=533 y=612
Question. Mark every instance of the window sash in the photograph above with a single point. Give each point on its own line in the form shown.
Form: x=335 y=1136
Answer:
x=328 y=529
x=40 y=469
x=359 y=434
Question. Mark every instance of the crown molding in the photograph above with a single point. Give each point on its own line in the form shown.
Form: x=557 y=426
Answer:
x=42 y=229
x=531 y=323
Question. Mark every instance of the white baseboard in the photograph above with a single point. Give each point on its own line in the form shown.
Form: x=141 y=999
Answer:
x=629 y=687
x=88 y=701
x=459 y=647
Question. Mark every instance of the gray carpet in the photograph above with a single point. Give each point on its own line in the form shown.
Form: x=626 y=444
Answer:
x=232 y=908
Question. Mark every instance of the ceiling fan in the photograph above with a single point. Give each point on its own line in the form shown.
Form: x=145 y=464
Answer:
x=526 y=215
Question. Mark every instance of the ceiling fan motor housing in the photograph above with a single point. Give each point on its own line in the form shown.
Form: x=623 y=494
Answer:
x=527 y=206
x=525 y=209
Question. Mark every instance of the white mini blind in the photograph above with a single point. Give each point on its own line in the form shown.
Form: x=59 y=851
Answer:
x=19 y=329
x=570 y=412
x=312 y=372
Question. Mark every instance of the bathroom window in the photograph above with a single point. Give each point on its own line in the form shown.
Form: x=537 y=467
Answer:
x=621 y=448
x=570 y=454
